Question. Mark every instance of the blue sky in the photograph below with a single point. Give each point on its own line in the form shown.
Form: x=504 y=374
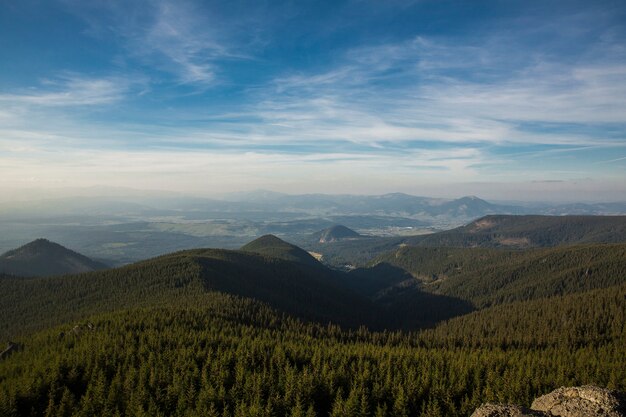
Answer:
x=503 y=99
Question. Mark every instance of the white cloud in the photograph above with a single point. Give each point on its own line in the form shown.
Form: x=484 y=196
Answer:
x=71 y=90
x=427 y=90
x=182 y=38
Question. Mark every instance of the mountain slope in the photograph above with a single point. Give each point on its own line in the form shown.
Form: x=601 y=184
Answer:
x=592 y=317
x=530 y=231
x=270 y=245
x=231 y=354
x=44 y=258
x=494 y=276
x=181 y=278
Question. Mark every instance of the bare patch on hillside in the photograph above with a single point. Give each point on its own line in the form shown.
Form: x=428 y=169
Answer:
x=316 y=255
x=483 y=225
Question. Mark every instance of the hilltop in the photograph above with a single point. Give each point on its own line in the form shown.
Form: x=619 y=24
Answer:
x=335 y=234
x=270 y=245
x=44 y=258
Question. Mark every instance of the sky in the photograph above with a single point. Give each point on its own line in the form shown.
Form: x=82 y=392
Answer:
x=522 y=100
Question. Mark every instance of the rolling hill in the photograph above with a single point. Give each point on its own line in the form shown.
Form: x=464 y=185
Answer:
x=270 y=245
x=218 y=332
x=494 y=231
x=44 y=258
x=486 y=276
x=335 y=233
x=303 y=289
x=530 y=231
x=218 y=353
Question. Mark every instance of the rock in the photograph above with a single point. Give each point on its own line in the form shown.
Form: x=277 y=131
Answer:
x=585 y=401
x=582 y=401
x=502 y=410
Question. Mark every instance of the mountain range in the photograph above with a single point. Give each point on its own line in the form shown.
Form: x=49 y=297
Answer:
x=494 y=231
x=268 y=330
x=122 y=228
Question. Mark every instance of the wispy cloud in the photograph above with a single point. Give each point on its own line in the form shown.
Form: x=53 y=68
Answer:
x=186 y=43
x=71 y=90
x=434 y=90
x=177 y=37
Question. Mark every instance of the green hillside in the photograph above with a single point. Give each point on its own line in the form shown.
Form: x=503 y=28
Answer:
x=44 y=258
x=228 y=356
x=235 y=333
x=182 y=277
x=596 y=317
x=270 y=245
x=492 y=276
x=530 y=231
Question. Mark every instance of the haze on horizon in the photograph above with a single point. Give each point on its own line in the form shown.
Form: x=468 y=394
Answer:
x=504 y=100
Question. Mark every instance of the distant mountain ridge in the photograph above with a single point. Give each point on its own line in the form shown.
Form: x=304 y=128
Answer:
x=493 y=231
x=530 y=231
x=42 y=257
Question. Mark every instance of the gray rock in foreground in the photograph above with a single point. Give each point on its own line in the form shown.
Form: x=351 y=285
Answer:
x=585 y=401
x=581 y=402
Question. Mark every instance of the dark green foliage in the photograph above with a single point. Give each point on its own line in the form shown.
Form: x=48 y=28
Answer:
x=310 y=293
x=596 y=317
x=380 y=276
x=44 y=258
x=237 y=357
x=270 y=245
x=162 y=337
x=530 y=231
x=492 y=276
x=355 y=252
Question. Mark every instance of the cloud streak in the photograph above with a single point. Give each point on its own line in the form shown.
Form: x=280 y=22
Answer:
x=71 y=90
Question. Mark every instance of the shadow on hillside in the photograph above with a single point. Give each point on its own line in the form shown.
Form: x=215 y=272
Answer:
x=403 y=303
x=370 y=281
x=416 y=309
x=381 y=297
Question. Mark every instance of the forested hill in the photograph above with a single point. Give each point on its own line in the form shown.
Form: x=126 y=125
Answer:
x=529 y=231
x=334 y=234
x=227 y=356
x=486 y=276
x=270 y=245
x=595 y=317
x=44 y=258
x=235 y=333
x=179 y=278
